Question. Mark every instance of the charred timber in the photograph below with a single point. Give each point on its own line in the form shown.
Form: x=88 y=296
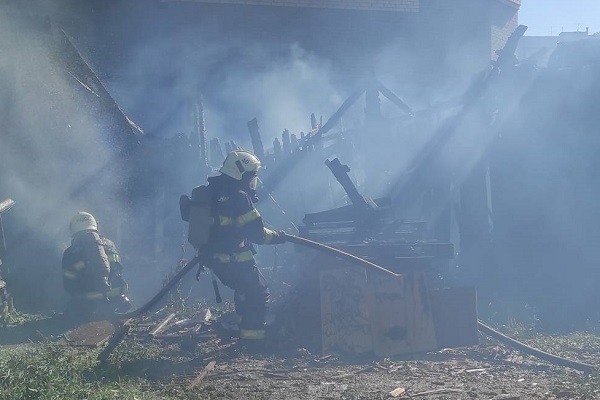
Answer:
x=257 y=144
x=426 y=162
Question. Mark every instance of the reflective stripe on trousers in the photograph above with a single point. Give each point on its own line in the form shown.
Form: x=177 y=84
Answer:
x=252 y=334
x=236 y=257
x=93 y=296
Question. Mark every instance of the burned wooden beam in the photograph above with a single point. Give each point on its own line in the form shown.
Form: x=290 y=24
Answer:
x=81 y=71
x=200 y=132
x=333 y=120
x=161 y=325
x=425 y=166
x=202 y=375
x=216 y=152
x=320 y=129
x=5 y=205
x=393 y=98
x=372 y=105
x=340 y=171
x=286 y=141
x=257 y=144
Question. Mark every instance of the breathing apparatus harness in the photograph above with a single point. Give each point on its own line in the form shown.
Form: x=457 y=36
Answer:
x=198 y=212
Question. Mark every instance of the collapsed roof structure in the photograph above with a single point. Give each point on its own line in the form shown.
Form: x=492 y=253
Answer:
x=441 y=156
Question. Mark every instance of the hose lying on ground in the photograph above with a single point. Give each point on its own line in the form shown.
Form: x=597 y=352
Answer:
x=482 y=327
x=126 y=318
x=563 y=362
x=168 y=286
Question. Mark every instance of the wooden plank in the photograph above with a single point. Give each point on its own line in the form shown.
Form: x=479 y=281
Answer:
x=161 y=325
x=399 y=391
x=400 y=315
x=345 y=323
x=202 y=375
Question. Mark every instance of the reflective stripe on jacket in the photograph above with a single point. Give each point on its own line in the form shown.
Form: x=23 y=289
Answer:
x=238 y=223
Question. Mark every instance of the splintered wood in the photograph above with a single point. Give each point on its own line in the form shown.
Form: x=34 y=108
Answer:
x=202 y=375
x=161 y=325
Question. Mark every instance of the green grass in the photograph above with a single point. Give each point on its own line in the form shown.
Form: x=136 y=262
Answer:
x=136 y=370
x=52 y=371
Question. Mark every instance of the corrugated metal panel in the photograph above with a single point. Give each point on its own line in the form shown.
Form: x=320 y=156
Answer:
x=375 y=5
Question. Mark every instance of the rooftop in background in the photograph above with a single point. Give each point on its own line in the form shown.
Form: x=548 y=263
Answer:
x=538 y=49
x=374 y=5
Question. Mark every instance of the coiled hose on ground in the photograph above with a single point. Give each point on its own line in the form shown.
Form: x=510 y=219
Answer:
x=120 y=333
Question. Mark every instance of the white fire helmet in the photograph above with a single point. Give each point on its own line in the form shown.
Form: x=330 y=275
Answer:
x=83 y=221
x=238 y=162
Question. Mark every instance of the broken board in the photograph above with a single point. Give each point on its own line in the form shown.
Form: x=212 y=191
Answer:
x=382 y=314
x=400 y=315
x=345 y=326
x=92 y=334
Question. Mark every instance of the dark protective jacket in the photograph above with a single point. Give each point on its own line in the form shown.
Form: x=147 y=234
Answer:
x=86 y=266
x=118 y=286
x=237 y=224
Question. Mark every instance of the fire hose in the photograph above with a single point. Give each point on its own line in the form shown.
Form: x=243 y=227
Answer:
x=482 y=327
x=125 y=319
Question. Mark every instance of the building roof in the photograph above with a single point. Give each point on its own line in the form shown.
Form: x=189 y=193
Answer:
x=375 y=5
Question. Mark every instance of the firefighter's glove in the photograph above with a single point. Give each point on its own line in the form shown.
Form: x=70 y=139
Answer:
x=279 y=237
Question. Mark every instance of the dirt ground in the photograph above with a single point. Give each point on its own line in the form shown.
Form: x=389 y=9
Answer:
x=215 y=367
x=484 y=372
x=445 y=375
x=210 y=364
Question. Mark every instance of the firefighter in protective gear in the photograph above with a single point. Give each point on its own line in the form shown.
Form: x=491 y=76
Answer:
x=92 y=272
x=237 y=225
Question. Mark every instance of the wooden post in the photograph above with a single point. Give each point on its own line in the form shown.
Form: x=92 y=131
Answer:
x=257 y=143
x=216 y=152
x=200 y=131
x=285 y=141
x=4 y=206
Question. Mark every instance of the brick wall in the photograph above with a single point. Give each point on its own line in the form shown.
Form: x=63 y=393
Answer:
x=375 y=5
x=501 y=33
